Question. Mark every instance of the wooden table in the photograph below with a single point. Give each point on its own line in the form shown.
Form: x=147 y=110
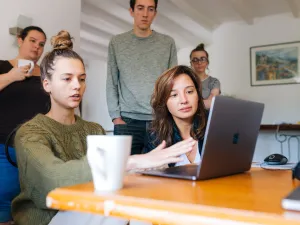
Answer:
x=250 y=198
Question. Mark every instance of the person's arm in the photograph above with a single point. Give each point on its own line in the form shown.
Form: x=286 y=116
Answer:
x=160 y=155
x=5 y=80
x=15 y=74
x=173 y=55
x=207 y=102
x=112 y=81
x=41 y=171
x=216 y=90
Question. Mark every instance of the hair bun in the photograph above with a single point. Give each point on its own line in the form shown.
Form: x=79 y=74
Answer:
x=200 y=46
x=62 y=40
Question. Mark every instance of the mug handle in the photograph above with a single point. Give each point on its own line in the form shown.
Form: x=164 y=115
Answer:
x=31 y=66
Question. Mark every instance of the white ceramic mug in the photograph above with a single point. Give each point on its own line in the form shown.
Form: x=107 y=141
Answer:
x=25 y=62
x=107 y=157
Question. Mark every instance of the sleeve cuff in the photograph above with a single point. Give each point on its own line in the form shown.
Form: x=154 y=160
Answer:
x=114 y=115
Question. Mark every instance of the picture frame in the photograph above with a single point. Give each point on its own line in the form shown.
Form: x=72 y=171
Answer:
x=275 y=64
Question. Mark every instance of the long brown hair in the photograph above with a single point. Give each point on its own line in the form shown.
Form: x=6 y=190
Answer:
x=163 y=122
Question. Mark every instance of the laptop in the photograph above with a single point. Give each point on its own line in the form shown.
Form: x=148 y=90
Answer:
x=229 y=141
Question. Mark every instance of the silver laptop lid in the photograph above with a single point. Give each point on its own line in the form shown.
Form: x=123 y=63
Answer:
x=230 y=137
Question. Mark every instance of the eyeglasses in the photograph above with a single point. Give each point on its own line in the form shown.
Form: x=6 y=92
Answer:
x=201 y=60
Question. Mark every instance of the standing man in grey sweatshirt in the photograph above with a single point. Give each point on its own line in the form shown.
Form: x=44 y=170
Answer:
x=135 y=60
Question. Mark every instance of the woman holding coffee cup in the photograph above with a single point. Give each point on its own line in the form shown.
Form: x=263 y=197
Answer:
x=51 y=149
x=21 y=98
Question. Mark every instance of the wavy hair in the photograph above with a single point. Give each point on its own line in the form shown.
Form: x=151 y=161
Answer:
x=162 y=124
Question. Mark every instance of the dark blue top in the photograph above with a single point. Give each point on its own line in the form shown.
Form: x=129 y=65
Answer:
x=152 y=141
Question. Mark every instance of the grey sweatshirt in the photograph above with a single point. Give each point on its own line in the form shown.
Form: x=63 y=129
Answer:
x=134 y=64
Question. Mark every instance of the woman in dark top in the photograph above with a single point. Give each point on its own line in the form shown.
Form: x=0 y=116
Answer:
x=21 y=98
x=179 y=112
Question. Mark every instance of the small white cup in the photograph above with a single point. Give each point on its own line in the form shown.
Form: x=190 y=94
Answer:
x=25 y=62
x=107 y=157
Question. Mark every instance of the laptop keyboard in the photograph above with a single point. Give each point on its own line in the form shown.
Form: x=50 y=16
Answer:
x=190 y=170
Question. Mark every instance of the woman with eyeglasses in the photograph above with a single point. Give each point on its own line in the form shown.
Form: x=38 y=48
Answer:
x=210 y=86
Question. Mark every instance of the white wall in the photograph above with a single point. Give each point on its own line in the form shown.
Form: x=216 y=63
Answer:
x=94 y=105
x=230 y=62
x=50 y=15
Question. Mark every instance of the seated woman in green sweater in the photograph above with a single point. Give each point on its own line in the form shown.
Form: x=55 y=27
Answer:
x=51 y=149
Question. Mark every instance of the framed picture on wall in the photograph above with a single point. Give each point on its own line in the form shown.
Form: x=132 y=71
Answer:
x=275 y=64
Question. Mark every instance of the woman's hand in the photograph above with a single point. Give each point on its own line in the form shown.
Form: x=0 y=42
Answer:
x=207 y=103
x=161 y=155
x=15 y=74
x=19 y=73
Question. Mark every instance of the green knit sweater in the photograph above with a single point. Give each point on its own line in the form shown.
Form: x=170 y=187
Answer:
x=49 y=155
